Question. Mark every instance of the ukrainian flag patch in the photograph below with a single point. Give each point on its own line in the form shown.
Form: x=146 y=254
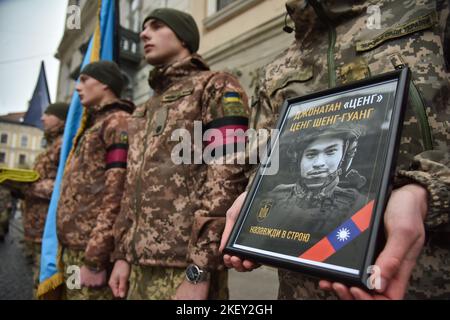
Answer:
x=230 y=97
x=232 y=104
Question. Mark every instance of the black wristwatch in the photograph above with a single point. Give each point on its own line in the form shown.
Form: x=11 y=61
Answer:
x=195 y=275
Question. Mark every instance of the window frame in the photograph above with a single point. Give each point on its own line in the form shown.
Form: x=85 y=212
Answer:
x=220 y=7
x=1 y=138
x=24 y=145
x=218 y=16
x=133 y=16
x=24 y=162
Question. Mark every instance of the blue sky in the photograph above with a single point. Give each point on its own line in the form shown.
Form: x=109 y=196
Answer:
x=30 y=31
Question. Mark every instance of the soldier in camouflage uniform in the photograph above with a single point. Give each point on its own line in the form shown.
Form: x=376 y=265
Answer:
x=93 y=181
x=5 y=208
x=172 y=215
x=334 y=45
x=37 y=195
x=325 y=193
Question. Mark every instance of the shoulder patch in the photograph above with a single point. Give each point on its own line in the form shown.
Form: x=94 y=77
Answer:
x=233 y=104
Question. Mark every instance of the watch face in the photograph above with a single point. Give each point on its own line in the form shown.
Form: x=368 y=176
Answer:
x=192 y=273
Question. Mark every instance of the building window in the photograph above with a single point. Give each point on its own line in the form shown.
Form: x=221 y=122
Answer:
x=2 y=157
x=223 y=3
x=4 y=138
x=22 y=159
x=43 y=143
x=220 y=11
x=134 y=15
x=24 y=141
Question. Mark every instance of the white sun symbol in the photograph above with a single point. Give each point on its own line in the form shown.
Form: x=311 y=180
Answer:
x=343 y=234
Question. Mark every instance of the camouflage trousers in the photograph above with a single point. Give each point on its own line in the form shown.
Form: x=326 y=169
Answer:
x=431 y=276
x=75 y=258
x=34 y=250
x=295 y=286
x=161 y=283
x=4 y=223
x=430 y=279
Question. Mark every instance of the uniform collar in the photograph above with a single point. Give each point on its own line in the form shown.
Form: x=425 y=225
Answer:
x=326 y=192
x=96 y=112
x=100 y=108
x=162 y=77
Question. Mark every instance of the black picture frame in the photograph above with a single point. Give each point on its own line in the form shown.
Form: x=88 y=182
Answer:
x=258 y=238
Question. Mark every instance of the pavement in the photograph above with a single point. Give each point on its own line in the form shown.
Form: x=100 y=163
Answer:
x=16 y=280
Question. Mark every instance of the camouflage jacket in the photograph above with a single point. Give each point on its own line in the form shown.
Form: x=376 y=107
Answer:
x=37 y=196
x=333 y=46
x=93 y=184
x=174 y=214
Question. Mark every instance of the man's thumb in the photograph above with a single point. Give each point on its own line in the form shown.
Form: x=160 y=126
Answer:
x=123 y=287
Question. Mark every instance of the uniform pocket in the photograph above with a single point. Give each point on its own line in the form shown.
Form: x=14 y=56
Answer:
x=395 y=61
x=354 y=71
x=173 y=107
x=303 y=74
x=406 y=44
x=175 y=95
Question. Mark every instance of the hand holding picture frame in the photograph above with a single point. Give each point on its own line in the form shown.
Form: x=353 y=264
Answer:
x=321 y=212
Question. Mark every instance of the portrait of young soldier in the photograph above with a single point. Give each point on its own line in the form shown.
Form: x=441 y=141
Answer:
x=37 y=195
x=93 y=181
x=324 y=193
x=323 y=160
x=333 y=45
x=172 y=215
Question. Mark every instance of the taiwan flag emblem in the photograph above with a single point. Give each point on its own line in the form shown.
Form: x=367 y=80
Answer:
x=341 y=236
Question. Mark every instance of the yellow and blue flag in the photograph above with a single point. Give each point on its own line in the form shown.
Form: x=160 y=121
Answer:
x=101 y=47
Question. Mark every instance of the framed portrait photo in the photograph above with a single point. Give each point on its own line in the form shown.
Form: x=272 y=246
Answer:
x=317 y=201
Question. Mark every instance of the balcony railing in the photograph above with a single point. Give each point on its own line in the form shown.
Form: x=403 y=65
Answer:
x=129 y=46
x=129 y=52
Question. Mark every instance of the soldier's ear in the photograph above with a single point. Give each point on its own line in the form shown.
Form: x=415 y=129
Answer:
x=105 y=87
x=184 y=45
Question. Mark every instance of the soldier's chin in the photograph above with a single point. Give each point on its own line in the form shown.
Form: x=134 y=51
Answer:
x=153 y=59
x=314 y=183
x=84 y=101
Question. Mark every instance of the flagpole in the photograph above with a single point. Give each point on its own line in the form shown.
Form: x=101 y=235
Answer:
x=116 y=49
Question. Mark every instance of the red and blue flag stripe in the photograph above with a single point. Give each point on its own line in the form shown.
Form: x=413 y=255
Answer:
x=341 y=236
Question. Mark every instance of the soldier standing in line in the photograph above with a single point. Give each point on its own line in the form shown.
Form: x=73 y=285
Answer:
x=333 y=45
x=37 y=195
x=172 y=215
x=5 y=209
x=92 y=185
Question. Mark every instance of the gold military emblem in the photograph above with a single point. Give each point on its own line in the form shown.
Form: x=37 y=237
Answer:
x=264 y=210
